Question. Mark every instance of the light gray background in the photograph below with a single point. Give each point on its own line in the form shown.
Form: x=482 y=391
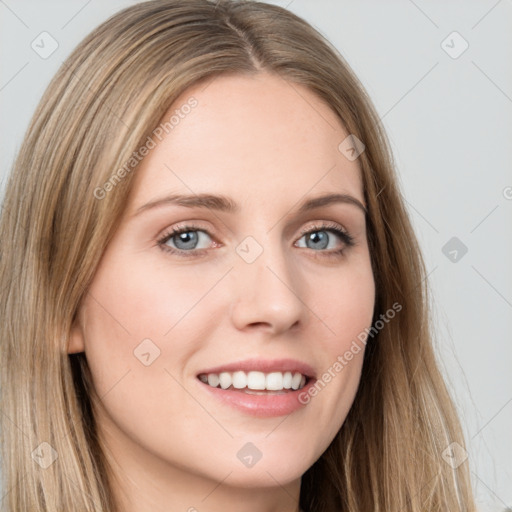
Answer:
x=450 y=125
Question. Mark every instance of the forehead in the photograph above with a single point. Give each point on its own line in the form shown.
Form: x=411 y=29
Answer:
x=255 y=137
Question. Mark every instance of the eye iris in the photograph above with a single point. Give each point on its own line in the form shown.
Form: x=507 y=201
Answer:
x=319 y=236
x=189 y=239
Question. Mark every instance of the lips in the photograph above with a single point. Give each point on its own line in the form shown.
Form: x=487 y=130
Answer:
x=259 y=387
x=259 y=375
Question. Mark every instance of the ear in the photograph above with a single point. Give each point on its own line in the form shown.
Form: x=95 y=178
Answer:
x=76 y=338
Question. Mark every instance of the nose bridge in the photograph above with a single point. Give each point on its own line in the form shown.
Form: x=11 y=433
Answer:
x=266 y=285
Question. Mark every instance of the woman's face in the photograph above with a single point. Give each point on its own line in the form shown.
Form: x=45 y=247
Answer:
x=247 y=294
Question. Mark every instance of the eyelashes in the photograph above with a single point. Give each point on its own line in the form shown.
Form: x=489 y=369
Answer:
x=334 y=231
x=343 y=235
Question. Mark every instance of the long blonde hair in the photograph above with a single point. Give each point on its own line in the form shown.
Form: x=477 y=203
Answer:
x=105 y=100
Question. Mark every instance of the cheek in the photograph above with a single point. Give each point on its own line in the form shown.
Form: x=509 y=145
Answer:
x=146 y=299
x=143 y=321
x=347 y=306
x=136 y=347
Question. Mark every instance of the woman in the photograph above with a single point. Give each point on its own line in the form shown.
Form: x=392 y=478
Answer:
x=212 y=297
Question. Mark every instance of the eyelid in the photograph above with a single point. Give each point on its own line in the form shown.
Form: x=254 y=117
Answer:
x=339 y=230
x=322 y=225
x=186 y=226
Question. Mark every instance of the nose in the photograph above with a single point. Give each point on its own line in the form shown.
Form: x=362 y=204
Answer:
x=268 y=293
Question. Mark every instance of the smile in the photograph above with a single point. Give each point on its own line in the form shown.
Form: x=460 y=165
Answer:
x=259 y=387
x=255 y=380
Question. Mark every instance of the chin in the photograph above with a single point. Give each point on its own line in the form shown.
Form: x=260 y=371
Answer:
x=265 y=475
x=263 y=462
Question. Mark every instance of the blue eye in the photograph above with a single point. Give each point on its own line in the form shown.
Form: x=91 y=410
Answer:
x=321 y=239
x=184 y=239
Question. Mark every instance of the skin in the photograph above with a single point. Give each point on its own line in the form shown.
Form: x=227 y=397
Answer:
x=268 y=146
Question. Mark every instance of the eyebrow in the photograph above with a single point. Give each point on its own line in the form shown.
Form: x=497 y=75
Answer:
x=225 y=204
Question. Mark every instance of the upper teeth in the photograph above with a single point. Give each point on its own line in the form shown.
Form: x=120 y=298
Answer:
x=275 y=381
